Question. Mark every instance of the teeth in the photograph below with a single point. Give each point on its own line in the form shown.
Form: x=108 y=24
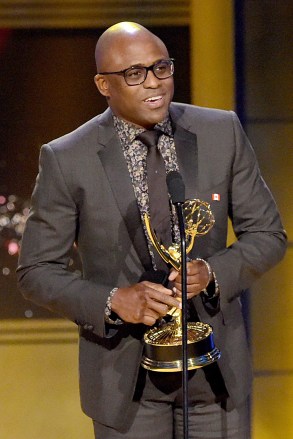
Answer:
x=153 y=99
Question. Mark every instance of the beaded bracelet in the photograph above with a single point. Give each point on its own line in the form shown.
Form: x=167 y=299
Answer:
x=212 y=277
x=210 y=272
x=108 y=310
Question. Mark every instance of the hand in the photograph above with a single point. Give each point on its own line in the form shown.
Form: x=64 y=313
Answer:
x=143 y=302
x=197 y=278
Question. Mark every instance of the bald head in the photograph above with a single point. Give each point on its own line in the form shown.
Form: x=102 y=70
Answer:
x=129 y=46
x=117 y=39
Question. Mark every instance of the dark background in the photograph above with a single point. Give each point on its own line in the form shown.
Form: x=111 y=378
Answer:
x=46 y=90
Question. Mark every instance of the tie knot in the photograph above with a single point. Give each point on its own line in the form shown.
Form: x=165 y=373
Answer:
x=149 y=137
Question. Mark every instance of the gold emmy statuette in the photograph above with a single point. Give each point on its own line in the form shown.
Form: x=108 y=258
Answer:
x=163 y=344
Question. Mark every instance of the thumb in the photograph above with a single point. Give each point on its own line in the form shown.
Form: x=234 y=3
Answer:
x=173 y=274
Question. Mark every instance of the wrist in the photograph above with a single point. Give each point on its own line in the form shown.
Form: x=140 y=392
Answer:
x=211 y=290
x=110 y=316
x=209 y=271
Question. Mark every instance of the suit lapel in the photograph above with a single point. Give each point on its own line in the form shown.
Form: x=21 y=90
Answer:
x=186 y=150
x=115 y=166
x=187 y=155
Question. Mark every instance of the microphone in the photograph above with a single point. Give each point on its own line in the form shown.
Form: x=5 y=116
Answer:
x=176 y=187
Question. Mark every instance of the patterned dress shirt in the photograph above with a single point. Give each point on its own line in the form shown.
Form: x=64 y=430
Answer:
x=135 y=153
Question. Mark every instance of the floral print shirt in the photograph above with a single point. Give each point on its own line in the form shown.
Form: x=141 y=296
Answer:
x=135 y=153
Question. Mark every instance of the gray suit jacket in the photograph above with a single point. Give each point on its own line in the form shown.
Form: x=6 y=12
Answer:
x=83 y=193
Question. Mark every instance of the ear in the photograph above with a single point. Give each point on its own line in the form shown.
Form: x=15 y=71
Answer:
x=102 y=85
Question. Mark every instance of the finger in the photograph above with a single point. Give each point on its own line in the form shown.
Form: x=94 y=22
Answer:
x=161 y=294
x=190 y=289
x=149 y=321
x=190 y=295
x=160 y=309
x=173 y=274
x=164 y=299
x=192 y=268
x=157 y=287
x=194 y=288
x=191 y=279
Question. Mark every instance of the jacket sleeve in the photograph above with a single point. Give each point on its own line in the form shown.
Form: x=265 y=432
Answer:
x=261 y=239
x=49 y=235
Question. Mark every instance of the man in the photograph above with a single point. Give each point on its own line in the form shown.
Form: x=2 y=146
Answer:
x=92 y=190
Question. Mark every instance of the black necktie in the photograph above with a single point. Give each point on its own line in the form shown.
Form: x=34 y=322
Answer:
x=157 y=188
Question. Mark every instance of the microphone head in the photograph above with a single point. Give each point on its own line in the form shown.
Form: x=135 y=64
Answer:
x=176 y=187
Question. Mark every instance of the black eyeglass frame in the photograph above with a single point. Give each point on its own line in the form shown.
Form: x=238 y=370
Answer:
x=146 y=70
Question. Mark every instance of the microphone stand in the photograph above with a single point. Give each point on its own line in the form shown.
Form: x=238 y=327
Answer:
x=176 y=189
x=180 y=215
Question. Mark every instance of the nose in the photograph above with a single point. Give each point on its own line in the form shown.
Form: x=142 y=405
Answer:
x=151 y=81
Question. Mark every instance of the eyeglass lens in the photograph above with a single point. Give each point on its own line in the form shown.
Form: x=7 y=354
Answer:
x=137 y=75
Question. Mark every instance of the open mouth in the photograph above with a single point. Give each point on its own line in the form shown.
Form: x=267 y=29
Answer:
x=154 y=99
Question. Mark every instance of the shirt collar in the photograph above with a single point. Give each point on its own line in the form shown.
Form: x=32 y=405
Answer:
x=131 y=131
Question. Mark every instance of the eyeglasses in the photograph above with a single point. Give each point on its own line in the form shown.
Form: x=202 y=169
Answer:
x=136 y=75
